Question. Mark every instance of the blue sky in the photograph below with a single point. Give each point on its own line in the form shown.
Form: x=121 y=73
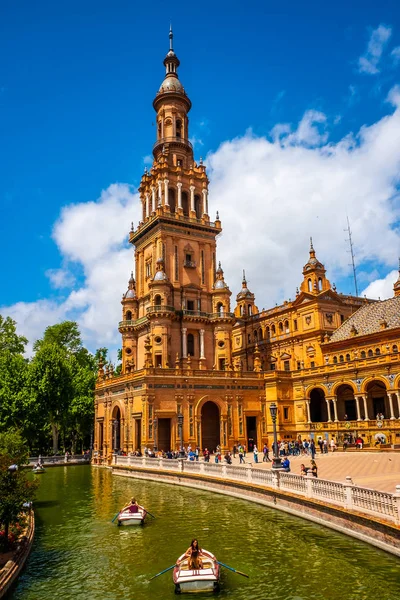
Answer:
x=77 y=80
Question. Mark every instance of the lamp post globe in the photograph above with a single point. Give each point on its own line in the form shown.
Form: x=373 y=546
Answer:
x=276 y=462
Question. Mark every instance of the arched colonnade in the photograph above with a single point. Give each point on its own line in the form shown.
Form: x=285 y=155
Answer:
x=345 y=403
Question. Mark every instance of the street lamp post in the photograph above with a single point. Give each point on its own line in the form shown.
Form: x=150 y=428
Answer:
x=115 y=424
x=276 y=463
x=180 y=428
x=155 y=423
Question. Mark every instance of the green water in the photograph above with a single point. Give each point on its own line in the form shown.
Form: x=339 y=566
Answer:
x=78 y=554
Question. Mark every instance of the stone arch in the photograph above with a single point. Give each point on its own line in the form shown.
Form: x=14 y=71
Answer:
x=318 y=407
x=210 y=418
x=337 y=385
x=376 y=390
x=117 y=414
x=312 y=387
x=346 y=402
x=369 y=380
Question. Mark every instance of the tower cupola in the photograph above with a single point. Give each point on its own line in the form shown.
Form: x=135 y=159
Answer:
x=314 y=271
x=245 y=299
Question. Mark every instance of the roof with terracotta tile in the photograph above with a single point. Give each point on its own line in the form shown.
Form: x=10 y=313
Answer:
x=369 y=319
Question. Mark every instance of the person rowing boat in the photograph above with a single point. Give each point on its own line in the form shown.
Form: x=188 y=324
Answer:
x=132 y=507
x=193 y=555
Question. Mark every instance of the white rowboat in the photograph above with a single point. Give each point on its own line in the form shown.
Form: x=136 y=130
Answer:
x=129 y=518
x=196 y=580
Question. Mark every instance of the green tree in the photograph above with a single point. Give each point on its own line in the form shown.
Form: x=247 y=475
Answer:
x=9 y=339
x=118 y=368
x=51 y=381
x=15 y=489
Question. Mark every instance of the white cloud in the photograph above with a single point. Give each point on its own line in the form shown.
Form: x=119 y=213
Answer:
x=381 y=288
x=393 y=96
x=309 y=132
x=395 y=53
x=93 y=235
x=60 y=278
x=369 y=62
x=271 y=194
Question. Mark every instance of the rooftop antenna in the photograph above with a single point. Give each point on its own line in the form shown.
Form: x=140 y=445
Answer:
x=353 y=264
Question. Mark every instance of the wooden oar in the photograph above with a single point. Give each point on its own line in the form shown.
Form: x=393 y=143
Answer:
x=232 y=569
x=161 y=572
x=148 y=513
x=117 y=515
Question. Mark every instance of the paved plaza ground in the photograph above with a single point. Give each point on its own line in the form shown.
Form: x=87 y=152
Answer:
x=375 y=470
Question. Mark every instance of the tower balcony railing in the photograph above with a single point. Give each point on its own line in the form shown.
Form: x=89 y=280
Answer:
x=221 y=315
x=132 y=323
x=159 y=308
x=172 y=140
x=194 y=313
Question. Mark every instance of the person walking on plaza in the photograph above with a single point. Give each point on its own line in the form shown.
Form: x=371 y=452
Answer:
x=255 y=454
x=321 y=444
x=325 y=446
x=333 y=445
x=241 y=459
x=312 y=449
x=266 y=457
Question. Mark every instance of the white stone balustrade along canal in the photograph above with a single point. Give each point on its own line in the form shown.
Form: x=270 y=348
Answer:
x=381 y=505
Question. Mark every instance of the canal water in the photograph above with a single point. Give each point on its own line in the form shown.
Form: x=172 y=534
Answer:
x=79 y=554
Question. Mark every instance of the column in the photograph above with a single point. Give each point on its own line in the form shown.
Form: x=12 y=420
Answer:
x=166 y=182
x=328 y=407
x=159 y=192
x=202 y=343
x=205 y=202
x=308 y=411
x=358 y=408
x=334 y=400
x=184 y=342
x=192 y=207
x=147 y=205
x=392 y=417
x=398 y=404
x=153 y=198
x=366 y=417
x=179 y=186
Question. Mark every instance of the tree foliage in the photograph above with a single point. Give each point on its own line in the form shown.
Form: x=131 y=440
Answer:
x=15 y=488
x=51 y=397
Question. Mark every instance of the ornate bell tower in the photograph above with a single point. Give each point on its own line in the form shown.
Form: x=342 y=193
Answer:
x=175 y=250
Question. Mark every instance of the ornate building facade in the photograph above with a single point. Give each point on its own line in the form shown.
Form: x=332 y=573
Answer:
x=196 y=370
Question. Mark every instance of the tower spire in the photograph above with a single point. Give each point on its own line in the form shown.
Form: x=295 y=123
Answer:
x=171 y=38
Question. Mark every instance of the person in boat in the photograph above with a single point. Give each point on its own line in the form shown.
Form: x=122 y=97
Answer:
x=132 y=507
x=193 y=554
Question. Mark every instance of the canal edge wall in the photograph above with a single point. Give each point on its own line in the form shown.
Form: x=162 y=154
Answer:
x=374 y=531
x=12 y=569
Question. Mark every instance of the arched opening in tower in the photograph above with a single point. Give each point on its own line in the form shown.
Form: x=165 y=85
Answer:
x=171 y=200
x=210 y=428
x=185 y=204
